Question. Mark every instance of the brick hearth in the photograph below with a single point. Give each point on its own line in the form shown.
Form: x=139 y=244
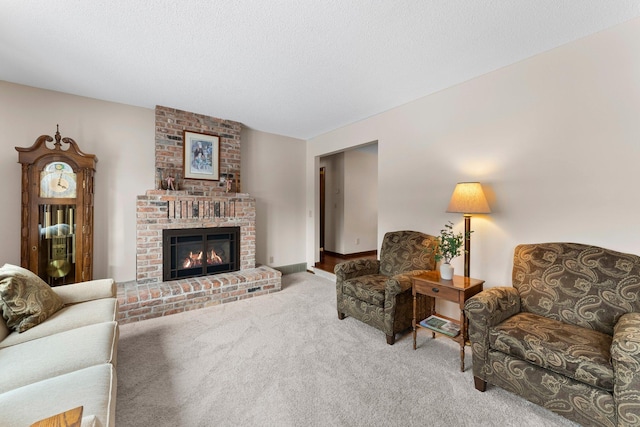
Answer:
x=140 y=301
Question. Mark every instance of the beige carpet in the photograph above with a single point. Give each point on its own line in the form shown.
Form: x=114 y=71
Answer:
x=286 y=360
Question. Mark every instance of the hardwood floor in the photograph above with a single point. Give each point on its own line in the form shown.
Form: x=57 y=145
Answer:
x=329 y=260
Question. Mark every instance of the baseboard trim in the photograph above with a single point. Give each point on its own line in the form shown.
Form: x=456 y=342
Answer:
x=352 y=255
x=293 y=268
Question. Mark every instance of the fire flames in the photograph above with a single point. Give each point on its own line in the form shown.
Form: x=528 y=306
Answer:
x=194 y=259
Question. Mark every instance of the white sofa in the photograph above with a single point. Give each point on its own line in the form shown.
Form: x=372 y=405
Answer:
x=68 y=360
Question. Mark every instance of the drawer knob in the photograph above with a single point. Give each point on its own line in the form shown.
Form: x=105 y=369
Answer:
x=436 y=290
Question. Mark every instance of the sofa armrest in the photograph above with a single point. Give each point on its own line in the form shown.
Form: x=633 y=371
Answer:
x=483 y=311
x=625 y=357
x=492 y=306
x=86 y=291
x=356 y=268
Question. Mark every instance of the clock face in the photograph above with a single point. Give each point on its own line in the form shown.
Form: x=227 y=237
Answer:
x=58 y=180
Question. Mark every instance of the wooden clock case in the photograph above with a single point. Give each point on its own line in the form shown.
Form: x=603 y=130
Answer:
x=57 y=210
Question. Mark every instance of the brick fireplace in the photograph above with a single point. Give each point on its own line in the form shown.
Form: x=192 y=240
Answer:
x=160 y=210
x=196 y=205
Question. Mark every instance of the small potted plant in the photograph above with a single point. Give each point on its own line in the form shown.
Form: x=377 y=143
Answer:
x=449 y=246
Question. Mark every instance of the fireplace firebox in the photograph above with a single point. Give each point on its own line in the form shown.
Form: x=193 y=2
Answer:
x=192 y=252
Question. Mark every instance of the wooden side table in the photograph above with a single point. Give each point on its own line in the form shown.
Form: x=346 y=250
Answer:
x=459 y=289
x=70 y=418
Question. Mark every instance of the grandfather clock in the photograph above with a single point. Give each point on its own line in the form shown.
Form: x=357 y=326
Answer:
x=57 y=210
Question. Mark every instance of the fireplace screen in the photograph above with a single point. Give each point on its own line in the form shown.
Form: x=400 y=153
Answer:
x=196 y=252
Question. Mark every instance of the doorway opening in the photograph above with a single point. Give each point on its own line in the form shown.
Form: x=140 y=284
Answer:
x=348 y=205
x=322 y=212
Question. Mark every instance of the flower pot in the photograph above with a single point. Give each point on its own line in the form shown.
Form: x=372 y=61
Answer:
x=446 y=271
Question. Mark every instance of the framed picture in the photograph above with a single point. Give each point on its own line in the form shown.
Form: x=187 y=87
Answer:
x=201 y=156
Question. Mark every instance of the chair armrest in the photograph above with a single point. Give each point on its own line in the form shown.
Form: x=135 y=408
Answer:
x=400 y=283
x=86 y=291
x=625 y=357
x=356 y=268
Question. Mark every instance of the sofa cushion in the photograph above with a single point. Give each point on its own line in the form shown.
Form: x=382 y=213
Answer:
x=366 y=288
x=93 y=388
x=69 y=317
x=58 y=354
x=25 y=298
x=579 y=353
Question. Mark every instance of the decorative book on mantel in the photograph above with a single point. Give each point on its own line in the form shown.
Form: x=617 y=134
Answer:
x=441 y=325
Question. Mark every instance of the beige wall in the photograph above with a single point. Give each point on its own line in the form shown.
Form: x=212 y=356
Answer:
x=554 y=139
x=273 y=173
x=121 y=136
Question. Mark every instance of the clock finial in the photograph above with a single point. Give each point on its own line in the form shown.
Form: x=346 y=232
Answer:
x=58 y=136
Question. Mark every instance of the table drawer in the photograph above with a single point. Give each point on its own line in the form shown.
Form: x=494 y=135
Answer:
x=433 y=290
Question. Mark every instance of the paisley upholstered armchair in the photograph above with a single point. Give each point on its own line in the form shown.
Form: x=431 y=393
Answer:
x=566 y=336
x=378 y=292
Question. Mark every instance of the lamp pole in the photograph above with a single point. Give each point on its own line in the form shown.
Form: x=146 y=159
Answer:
x=467 y=244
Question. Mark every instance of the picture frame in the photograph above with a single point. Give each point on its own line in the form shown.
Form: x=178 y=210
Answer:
x=201 y=156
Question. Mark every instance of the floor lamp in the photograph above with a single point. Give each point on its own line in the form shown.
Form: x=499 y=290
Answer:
x=468 y=198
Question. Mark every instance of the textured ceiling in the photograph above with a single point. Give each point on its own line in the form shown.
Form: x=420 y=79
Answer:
x=298 y=67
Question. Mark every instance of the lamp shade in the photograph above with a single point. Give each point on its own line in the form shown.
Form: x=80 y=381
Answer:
x=468 y=198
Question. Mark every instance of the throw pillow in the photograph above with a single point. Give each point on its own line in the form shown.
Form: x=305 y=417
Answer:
x=25 y=299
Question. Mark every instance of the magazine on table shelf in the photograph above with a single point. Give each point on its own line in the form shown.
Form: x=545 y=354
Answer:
x=441 y=325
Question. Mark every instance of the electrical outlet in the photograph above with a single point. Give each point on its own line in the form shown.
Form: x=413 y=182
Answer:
x=270 y=260
x=357 y=240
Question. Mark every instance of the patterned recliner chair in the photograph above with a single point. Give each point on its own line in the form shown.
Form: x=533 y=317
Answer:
x=378 y=292
x=566 y=336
